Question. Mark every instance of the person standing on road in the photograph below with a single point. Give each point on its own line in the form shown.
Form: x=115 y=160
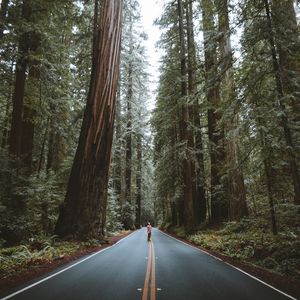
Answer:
x=149 y=230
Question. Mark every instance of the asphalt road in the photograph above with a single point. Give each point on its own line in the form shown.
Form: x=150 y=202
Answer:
x=163 y=269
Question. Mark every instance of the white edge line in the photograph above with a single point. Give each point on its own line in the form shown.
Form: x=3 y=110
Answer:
x=270 y=286
x=63 y=270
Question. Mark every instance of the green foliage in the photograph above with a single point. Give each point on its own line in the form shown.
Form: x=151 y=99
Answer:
x=40 y=196
x=38 y=251
x=247 y=242
x=113 y=215
x=30 y=197
x=179 y=231
x=131 y=129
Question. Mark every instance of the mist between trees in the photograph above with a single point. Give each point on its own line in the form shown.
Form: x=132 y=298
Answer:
x=76 y=156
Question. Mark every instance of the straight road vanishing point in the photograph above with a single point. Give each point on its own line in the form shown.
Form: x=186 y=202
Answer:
x=172 y=270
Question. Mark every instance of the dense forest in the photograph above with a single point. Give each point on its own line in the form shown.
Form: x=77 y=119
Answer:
x=217 y=160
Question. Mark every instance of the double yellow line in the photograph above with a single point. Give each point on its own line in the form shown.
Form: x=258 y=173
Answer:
x=150 y=270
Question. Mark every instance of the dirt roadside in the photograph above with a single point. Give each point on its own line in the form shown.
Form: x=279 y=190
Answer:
x=32 y=272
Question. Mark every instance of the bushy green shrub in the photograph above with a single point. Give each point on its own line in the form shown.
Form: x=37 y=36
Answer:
x=279 y=253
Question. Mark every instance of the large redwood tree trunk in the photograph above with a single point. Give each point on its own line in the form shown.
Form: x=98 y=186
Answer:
x=84 y=209
x=185 y=132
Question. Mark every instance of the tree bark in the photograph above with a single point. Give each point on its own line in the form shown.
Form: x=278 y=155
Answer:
x=3 y=13
x=138 y=182
x=129 y=97
x=42 y=153
x=27 y=137
x=84 y=210
x=268 y=170
x=219 y=204
x=18 y=96
x=281 y=106
x=185 y=133
x=288 y=44
x=5 y=132
x=22 y=124
x=128 y=158
x=199 y=198
x=236 y=187
x=117 y=154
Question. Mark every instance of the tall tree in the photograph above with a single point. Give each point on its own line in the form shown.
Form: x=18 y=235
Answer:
x=138 y=181
x=3 y=13
x=84 y=210
x=129 y=102
x=21 y=137
x=185 y=132
x=194 y=112
x=117 y=154
x=236 y=187
x=219 y=204
x=284 y=120
x=260 y=91
x=287 y=42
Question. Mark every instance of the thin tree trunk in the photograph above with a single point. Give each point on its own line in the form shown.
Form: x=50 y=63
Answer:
x=5 y=131
x=22 y=124
x=117 y=154
x=3 y=13
x=27 y=137
x=283 y=112
x=84 y=210
x=129 y=96
x=128 y=140
x=174 y=206
x=50 y=154
x=138 y=182
x=219 y=203
x=56 y=152
x=268 y=172
x=18 y=97
x=185 y=133
x=42 y=153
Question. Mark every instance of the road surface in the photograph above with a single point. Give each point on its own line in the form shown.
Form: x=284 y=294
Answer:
x=163 y=269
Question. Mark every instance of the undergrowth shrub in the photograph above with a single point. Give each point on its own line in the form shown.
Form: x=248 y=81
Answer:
x=245 y=241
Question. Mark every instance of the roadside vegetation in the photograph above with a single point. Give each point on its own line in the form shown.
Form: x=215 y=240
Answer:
x=247 y=242
x=42 y=252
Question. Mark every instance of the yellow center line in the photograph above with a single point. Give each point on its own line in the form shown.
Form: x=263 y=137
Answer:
x=150 y=269
x=153 y=285
x=146 y=284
